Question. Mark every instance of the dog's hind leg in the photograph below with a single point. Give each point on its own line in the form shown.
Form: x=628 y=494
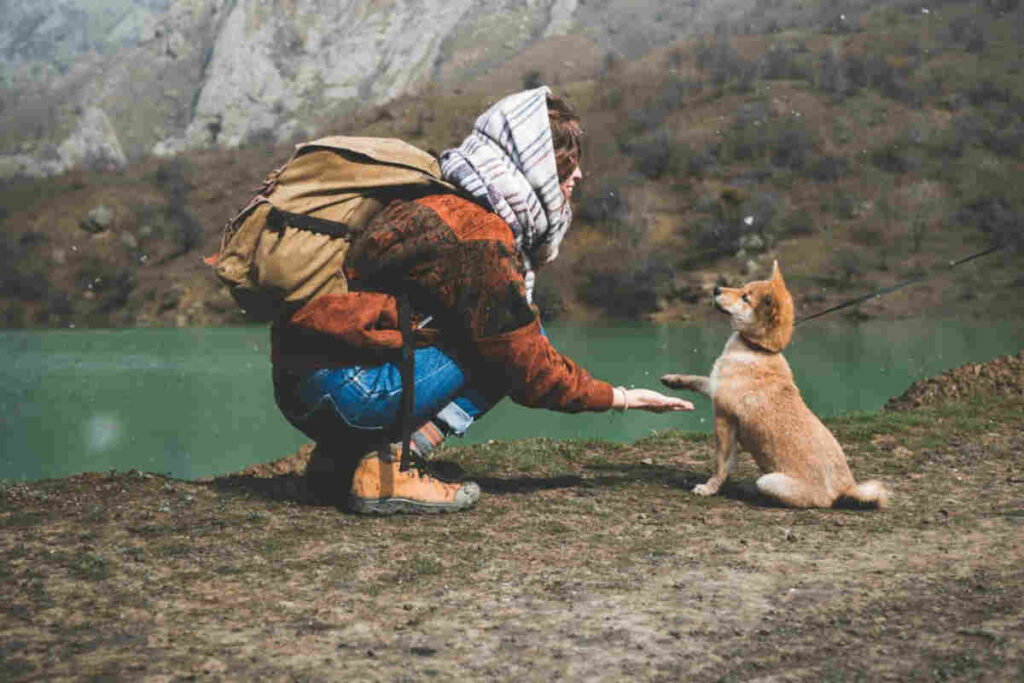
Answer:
x=702 y=385
x=792 y=491
x=725 y=456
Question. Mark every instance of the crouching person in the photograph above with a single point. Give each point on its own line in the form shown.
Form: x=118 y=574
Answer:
x=466 y=264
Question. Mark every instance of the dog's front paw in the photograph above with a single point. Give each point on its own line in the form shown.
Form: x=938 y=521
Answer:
x=705 y=490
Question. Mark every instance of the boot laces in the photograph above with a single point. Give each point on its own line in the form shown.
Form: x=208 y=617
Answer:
x=427 y=469
x=419 y=464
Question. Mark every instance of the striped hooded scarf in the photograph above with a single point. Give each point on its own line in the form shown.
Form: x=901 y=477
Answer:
x=508 y=160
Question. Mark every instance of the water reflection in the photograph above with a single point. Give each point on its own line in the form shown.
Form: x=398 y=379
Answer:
x=193 y=403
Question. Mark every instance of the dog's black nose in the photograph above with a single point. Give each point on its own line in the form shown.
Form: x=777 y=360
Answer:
x=717 y=290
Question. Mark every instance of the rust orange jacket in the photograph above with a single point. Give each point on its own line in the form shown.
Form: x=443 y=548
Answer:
x=458 y=263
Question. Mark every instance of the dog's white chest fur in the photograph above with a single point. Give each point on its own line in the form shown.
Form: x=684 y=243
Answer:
x=735 y=352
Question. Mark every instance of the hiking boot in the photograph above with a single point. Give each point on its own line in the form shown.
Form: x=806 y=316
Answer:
x=380 y=487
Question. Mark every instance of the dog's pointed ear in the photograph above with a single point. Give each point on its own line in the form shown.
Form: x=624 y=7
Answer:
x=776 y=273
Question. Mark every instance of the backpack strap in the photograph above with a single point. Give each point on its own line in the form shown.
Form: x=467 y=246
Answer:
x=408 y=373
x=277 y=220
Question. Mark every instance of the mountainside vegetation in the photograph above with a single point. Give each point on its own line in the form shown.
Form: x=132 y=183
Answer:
x=865 y=150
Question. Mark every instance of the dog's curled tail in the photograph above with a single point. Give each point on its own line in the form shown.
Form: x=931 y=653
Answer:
x=872 y=493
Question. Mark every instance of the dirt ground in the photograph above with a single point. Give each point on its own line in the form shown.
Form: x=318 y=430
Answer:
x=583 y=561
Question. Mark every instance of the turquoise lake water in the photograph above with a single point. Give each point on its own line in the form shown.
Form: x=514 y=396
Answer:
x=198 y=402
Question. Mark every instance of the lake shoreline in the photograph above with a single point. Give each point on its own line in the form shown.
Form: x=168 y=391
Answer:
x=216 y=412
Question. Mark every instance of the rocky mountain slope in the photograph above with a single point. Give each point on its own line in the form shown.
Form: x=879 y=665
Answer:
x=100 y=82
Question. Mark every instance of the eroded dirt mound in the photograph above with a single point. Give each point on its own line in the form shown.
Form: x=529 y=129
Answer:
x=1002 y=376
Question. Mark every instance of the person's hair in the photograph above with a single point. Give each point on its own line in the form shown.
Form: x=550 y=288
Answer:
x=566 y=133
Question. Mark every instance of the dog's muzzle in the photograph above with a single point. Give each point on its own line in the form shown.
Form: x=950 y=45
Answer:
x=714 y=299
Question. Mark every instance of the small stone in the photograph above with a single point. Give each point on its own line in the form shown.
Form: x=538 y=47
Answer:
x=98 y=219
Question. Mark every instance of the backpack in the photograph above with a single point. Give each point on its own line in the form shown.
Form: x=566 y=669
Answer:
x=288 y=244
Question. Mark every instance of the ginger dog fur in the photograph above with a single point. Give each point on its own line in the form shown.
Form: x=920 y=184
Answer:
x=758 y=406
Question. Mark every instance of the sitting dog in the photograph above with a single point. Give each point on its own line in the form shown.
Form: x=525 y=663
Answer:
x=757 y=406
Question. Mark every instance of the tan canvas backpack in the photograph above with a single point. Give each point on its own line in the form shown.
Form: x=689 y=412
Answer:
x=288 y=244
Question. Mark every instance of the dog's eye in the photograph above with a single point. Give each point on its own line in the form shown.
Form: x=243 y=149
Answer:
x=746 y=298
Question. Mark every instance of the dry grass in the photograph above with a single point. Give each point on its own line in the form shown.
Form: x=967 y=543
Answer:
x=584 y=560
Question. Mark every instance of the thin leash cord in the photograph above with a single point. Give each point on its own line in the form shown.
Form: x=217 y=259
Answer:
x=899 y=285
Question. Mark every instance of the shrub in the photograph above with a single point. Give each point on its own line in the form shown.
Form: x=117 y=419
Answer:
x=998 y=129
x=609 y=64
x=23 y=273
x=998 y=214
x=750 y=114
x=186 y=230
x=968 y=33
x=838 y=19
x=800 y=222
x=846 y=205
x=640 y=121
x=734 y=216
x=722 y=64
x=1001 y=7
x=986 y=91
x=605 y=205
x=532 y=79
x=793 y=145
x=831 y=73
x=847 y=265
x=895 y=157
x=754 y=134
x=716 y=236
x=829 y=168
x=745 y=141
x=967 y=130
x=548 y=297
x=782 y=62
x=674 y=90
x=625 y=287
x=697 y=163
x=652 y=154
x=875 y=71
x=759 y=214
x=841 y=203
x=649 y=116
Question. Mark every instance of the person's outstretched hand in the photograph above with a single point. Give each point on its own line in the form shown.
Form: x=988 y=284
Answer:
x=646 y=399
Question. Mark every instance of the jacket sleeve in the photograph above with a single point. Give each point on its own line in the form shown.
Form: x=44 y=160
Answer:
x=459 y=264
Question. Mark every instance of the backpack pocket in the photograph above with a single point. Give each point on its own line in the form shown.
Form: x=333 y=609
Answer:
x=270 y=270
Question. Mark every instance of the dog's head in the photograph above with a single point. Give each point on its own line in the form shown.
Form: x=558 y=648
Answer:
x=761 y=311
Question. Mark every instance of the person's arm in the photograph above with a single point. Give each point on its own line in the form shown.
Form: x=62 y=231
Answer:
x=461 y=263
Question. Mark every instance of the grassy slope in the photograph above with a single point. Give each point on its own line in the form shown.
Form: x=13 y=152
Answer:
x=899 y=158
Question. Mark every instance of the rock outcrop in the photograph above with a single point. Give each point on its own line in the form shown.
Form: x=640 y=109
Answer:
x=103 y=81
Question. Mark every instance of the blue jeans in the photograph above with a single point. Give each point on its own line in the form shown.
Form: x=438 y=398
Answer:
x=362 y=402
